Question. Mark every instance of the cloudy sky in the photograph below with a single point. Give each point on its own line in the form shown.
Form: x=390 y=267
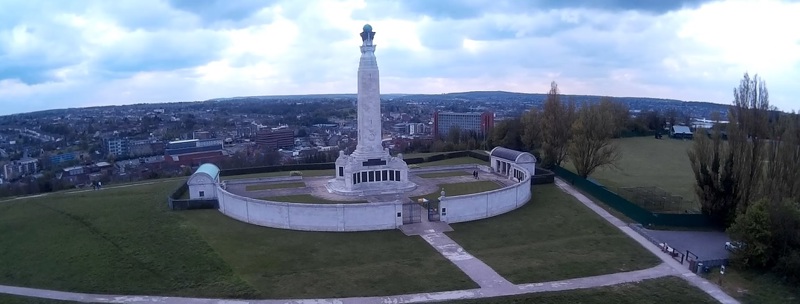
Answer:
x=58 y=54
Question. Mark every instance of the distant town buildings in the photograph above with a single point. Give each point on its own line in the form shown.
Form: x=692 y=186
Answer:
x=275 y=139
x=194 y=151
x=63 y=158
x=479 y=122
x=116 y=146
x=24 y=166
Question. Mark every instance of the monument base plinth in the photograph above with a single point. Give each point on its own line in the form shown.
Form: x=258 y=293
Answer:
x=364 y=174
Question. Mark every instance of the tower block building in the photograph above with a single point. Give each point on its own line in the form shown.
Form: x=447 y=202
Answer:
x=370 y=169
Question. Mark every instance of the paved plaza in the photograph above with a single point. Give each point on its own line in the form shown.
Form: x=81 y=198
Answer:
x=315 y=186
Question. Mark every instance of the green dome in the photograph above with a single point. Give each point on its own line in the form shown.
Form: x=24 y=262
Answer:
x=367 y=28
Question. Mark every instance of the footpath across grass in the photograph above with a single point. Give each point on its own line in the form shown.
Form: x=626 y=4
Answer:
x=260 y=187
x=552 y=237
x=293 y=264
x=653 y=291
x=115 y=240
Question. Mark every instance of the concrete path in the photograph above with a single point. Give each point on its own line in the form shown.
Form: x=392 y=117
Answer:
x=580 y=283
x=699 y=282
x=476 y=269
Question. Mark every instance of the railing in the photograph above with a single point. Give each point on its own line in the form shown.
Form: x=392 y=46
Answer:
x=629 y=209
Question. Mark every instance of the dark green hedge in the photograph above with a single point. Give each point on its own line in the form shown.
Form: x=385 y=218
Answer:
x=266 y=169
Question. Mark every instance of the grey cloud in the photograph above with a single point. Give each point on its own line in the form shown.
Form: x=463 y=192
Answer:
x=160 y=51
x=468 y=9
x=212 y=11
x=50 y=48
x=650 y=6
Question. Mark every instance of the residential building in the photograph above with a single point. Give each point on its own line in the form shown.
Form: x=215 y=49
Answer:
x=17 y=168
x=275 y=139
x=479 y=122
x=63 y=158
x=117 y=146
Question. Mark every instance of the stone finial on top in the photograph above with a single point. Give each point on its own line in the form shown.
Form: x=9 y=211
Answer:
x=367 y=34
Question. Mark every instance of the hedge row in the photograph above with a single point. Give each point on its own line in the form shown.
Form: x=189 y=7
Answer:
x=266 y=169
x=332 y=166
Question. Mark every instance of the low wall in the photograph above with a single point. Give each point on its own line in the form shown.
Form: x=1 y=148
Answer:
x=470 y=207
x=262 y=180
x=542 y=177
x=191 y=204
x=311 y=217
x=483 y=168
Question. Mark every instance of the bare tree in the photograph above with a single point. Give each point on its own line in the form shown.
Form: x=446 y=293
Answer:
x=556 y=125
x=591 y=146
x=747 y=135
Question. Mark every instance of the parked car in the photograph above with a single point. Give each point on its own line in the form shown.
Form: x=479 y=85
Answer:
x=731 y=246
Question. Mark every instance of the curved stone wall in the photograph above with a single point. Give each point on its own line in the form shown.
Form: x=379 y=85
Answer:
x=311 y=217
x=371 y=216
x=470 y=207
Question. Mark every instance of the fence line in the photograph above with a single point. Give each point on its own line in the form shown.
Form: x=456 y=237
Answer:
x=629 y=209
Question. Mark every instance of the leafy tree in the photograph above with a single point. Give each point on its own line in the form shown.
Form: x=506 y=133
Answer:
x=712 y=164
x=752 y=229
x=506 y=134
x=591 y=146
x=531 y=129
x=454 y=134
x=556 y=125
x=747 y=134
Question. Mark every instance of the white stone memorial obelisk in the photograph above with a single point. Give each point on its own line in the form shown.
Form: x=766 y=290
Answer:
x=370 y=169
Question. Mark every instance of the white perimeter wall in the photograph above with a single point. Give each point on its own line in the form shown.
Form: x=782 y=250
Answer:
x=472 y=207
x=311 y=217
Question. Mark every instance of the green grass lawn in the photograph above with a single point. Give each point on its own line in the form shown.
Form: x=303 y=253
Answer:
x=126 y=241
x=291 y=264
x=274 y=186
x=752 y=287
x=648 y=162
x=121 y=241
x=552 y=237
x=306 y=173
x=653 y=291
x=423 y=154
x=306 y=199
x=443 y=174
x=459 y=189
x=9 y=299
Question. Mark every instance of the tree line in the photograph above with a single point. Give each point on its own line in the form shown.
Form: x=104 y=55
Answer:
x=560 y=132
x=750 y=183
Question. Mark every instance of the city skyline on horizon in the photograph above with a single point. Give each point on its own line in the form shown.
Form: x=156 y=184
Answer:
x=96 y=53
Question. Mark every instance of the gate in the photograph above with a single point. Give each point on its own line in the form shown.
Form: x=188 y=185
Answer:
x=433 y=211
x=412 y=213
